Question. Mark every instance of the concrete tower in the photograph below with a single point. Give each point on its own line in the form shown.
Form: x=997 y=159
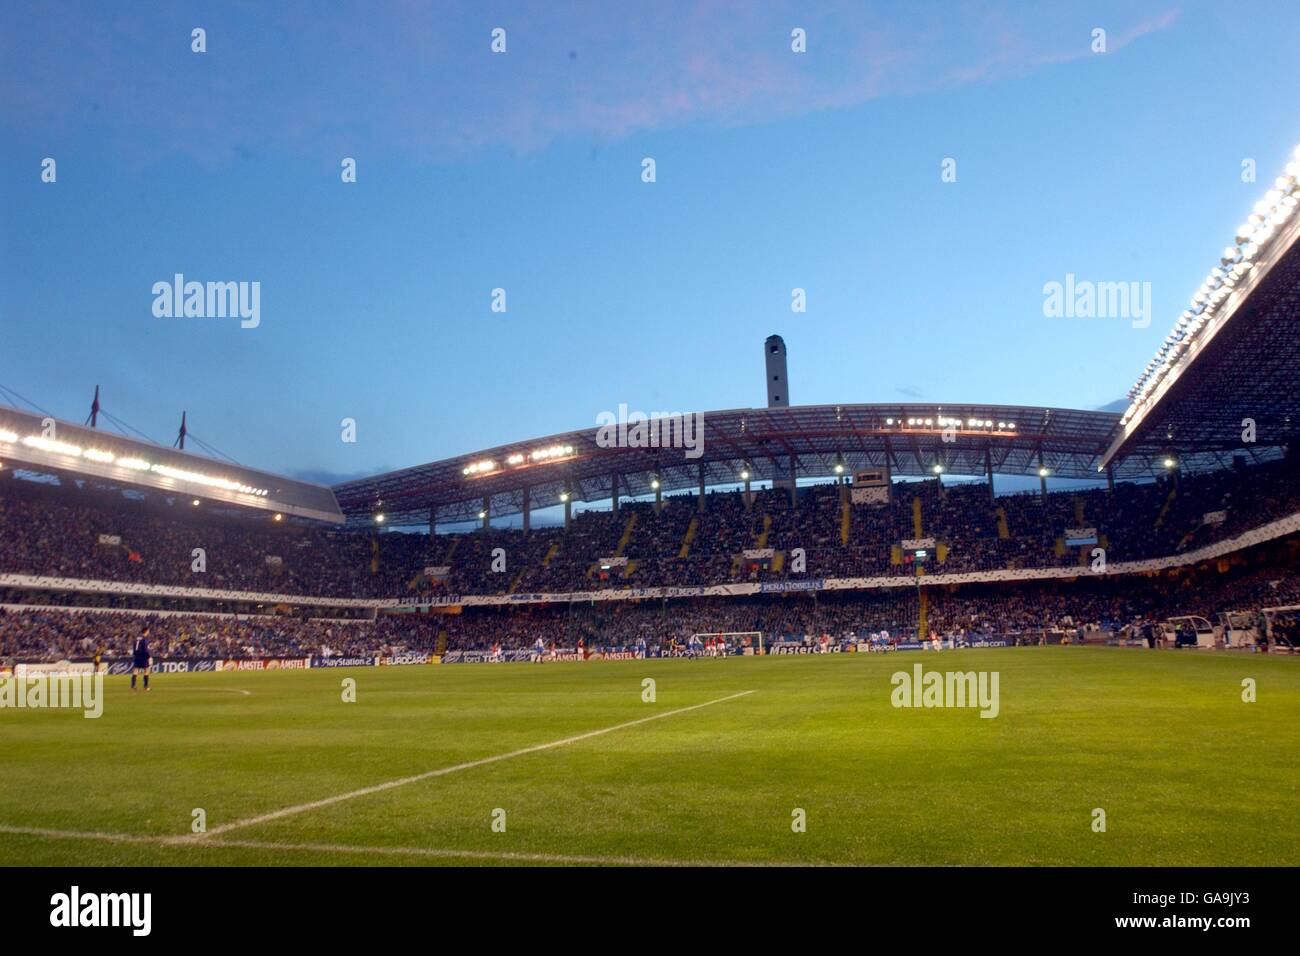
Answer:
x=778 y=396
x=778 y=386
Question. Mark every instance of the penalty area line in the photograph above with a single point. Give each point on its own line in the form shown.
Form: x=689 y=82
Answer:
x=440 y=772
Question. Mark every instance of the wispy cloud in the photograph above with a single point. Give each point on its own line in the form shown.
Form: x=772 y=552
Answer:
x=420 y=78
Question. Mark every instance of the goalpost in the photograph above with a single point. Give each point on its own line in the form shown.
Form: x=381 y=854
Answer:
x=735 y=638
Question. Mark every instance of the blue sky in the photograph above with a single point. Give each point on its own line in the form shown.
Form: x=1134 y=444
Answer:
x=522 y=170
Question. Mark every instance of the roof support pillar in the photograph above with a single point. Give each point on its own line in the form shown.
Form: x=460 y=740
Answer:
x=525 y=508
x=988 y=468
x=433 y=521
x=701 y=502
x=1110 y=478
x=794 y=473
x=567 y=497
x=613 y=492
x=1042 y=475
x=486 y=512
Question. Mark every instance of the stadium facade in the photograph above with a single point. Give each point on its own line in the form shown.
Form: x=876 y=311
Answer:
x=1222 y=394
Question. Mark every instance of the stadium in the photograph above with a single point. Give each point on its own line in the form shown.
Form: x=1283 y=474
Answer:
x=770 y=634
x=1186 y=539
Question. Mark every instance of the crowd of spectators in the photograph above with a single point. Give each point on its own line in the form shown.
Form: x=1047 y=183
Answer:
x=85 y=533
x=66 y=635
x=1116 y=605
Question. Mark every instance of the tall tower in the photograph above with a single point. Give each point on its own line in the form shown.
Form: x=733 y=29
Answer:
x=778 y=386
x=778 y=396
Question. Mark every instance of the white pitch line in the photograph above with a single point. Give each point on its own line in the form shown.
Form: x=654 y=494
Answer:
x=81 y=835
x=411 y=851
x=208 y=690
x=442 y=772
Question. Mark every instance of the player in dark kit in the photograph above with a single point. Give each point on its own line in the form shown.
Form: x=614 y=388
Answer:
x=140 y=660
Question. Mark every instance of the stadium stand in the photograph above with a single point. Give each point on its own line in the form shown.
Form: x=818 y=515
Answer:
x=80 y=533
x=68 y=532
x=1017 y=612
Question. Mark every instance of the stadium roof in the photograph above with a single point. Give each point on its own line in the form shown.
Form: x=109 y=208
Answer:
x=1069 y=443
x=1231 y=362
x=117 y=459
x=1235 y=353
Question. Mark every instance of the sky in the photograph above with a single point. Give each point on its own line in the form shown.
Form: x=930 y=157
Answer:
x=523 y=170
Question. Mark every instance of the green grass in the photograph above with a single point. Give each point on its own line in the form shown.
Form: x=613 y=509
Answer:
x=1186 y=771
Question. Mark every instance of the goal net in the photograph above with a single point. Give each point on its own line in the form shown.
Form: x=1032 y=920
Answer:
x=742 y=639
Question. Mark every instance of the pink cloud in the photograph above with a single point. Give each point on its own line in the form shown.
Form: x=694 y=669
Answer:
x=420 y=78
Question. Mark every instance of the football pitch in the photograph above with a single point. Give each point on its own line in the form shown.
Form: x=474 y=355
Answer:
x=567 y=763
